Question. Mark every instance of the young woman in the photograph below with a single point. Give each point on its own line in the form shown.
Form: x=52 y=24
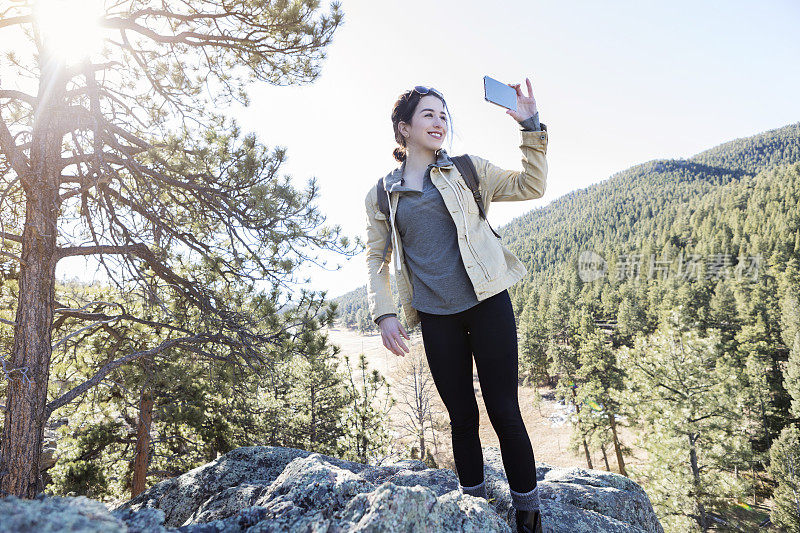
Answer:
x=452 y=275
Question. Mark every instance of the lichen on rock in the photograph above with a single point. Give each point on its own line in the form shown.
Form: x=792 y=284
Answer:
x=274 y=489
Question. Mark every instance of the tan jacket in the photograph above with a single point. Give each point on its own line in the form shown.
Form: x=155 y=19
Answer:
x=489 y=264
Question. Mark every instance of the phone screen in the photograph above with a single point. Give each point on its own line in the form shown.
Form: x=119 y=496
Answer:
x=499 y=93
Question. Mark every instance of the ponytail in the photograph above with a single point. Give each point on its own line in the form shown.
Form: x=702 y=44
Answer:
x=400 y=153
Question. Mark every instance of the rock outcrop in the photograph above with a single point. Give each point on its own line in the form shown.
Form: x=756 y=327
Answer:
x=274 y=489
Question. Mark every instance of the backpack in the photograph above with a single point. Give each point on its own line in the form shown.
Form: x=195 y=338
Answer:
x=467 y=170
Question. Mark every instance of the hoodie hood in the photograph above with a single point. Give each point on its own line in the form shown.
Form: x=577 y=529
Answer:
x=393 y=180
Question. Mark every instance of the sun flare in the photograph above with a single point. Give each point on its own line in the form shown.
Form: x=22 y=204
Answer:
x=70 y=28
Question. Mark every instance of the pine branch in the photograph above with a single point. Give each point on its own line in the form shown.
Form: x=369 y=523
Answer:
x=100 y=374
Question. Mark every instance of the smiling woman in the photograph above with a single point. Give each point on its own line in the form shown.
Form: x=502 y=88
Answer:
x=71 y=30
x=453 y=276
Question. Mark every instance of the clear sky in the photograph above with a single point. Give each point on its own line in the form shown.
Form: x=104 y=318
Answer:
x=617 y=83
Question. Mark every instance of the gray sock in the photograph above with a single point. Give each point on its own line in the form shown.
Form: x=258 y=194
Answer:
x=478 y=490
x=526 y=501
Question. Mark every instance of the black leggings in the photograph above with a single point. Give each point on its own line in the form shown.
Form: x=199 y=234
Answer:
x=487 y=330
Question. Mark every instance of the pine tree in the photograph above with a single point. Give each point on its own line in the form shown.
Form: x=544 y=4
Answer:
x=676 y=393
x=790 y=332
x=320 y=398
x=785 y=471
x=631 y=318
x=532 y=349
x=792 y=376
x=132 y=144
x=723 y=313
x=366 y=435
x=201 y=406
x=757 y=351
x=600 y=382
x=564 y=355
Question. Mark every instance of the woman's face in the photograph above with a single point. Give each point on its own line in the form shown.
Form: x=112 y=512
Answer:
x=428 y=126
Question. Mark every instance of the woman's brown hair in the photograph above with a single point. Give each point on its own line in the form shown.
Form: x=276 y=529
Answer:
x=404 y=109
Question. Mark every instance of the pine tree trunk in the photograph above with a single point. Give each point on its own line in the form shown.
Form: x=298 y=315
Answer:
x=433 y=432
x=605 y=458
x=420 y=424
x=29 y=368
x=588 y=455
x=617 y=447
x=765 y=420
x=313 y=421
x=702 y=517
x=583 y=436
x=141 y=458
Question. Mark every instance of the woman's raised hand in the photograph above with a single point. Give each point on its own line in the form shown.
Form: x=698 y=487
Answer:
x=526 y=105
x=392 y=333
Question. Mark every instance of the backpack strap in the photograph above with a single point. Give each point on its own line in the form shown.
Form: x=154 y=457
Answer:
x=383 y=206
x=383 y=200
x=467 y=170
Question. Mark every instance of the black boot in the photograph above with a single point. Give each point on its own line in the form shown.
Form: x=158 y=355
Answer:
x=529 y=521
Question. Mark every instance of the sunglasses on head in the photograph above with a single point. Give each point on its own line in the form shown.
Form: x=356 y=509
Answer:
x=421 y=89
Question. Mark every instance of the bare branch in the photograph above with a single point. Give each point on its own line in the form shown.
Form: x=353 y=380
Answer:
x=143 y=252
x=11 y=256
x=14 y=21
x=74 y=70
x=19 y=95
x=81 y=330
x=11 y=236
x=104 y=371
x=19 y=162
x=102 y=249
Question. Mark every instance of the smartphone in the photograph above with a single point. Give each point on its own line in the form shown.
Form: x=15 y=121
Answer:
x=499 y=93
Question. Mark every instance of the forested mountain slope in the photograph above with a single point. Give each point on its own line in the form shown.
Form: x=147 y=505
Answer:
x=642 y=202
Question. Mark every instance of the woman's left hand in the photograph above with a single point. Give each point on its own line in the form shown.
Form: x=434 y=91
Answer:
x=526 y=105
